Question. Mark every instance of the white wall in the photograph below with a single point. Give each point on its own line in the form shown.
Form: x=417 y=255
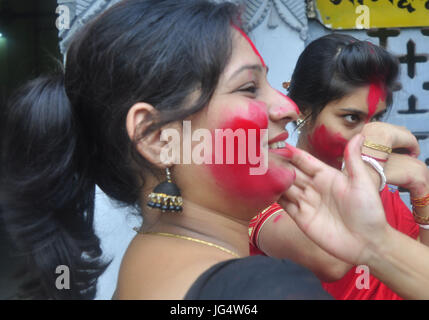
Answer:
x=280 y=49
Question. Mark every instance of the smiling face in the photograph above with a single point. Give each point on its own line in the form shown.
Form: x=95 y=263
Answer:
x=340 y=120
x=244 y=101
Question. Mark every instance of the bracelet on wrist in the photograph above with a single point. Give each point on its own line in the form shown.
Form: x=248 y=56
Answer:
x=420 y=202
x=420 y=219
x=377 y=167
x=377 y=159
x=378 y=147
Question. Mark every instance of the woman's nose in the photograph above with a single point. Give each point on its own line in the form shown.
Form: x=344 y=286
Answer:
x=283 y=109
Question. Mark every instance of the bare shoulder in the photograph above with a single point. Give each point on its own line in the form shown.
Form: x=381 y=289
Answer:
x=154 y=268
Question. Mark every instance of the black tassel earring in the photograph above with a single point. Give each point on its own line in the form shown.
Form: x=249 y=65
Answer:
x=166 y=196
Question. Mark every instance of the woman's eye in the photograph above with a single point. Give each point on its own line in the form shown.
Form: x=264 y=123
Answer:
x=252 y=89
x=352 y=118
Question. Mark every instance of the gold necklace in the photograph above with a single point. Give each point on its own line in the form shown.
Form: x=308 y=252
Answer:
x=172 y=235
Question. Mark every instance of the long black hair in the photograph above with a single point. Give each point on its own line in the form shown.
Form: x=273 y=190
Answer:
x=334 y=65
x=63 y=134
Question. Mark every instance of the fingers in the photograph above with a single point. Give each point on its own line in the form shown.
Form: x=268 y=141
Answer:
x=352 y=156
x=302 y=197
x=302 y=180
x=293 y=195
x=356 y=169
x=405 y=140
x=291 y=209
x=305 y=162
x=405 y=171
x=400 y=159
x=398 y=138
x=290 y=203
x=300 y=204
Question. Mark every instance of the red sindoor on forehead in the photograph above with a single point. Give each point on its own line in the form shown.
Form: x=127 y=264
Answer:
x=251 y=44
x=375 y=94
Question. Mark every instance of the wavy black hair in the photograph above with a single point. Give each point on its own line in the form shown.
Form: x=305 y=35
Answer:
x=334 y=65
x=62 y=135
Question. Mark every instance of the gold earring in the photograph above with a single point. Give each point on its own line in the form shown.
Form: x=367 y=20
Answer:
x=166 y=196
x=299 y=124
x=286 y=85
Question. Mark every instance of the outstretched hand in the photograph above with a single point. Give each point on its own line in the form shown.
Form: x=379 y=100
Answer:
x=340 y=212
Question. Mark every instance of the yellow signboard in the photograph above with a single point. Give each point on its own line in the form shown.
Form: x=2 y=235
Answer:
x=366 y=14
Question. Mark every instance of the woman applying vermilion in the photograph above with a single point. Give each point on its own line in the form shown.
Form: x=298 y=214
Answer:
x=343 y=86
x=100 y=122
x=139 y=69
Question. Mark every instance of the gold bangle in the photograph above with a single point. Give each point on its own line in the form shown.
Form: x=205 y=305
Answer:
x=420 y=202
x=378 y=147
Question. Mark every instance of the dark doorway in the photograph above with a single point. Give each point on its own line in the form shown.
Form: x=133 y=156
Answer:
x=28 y=48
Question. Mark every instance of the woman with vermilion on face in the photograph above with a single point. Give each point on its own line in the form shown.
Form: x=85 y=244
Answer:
x=142 y=67
x=343 y=86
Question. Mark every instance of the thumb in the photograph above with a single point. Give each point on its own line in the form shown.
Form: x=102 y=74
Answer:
x=355 y=166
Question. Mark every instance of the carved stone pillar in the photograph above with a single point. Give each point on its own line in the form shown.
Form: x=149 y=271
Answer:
x=81 y=11
x=290 y=12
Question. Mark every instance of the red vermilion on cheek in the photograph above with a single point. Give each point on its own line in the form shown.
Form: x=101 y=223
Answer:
x=251 y=44
x=249 y=120
x=236 y=178
x=257 y=113
x=328 y=146
x=375 y=94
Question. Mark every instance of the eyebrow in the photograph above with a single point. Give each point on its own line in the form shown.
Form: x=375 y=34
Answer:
x=254 y=67
x=360 y=112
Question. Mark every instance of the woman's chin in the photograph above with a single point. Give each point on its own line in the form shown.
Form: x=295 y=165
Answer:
x=282 y=176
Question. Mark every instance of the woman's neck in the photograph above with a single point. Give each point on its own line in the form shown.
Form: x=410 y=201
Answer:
x=198 y=222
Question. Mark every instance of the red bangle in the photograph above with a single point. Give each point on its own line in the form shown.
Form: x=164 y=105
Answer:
x=378 y=159
x=258 y=221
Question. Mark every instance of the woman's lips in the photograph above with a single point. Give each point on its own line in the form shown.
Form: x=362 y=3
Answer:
x=279 y=146
x=281 y=137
